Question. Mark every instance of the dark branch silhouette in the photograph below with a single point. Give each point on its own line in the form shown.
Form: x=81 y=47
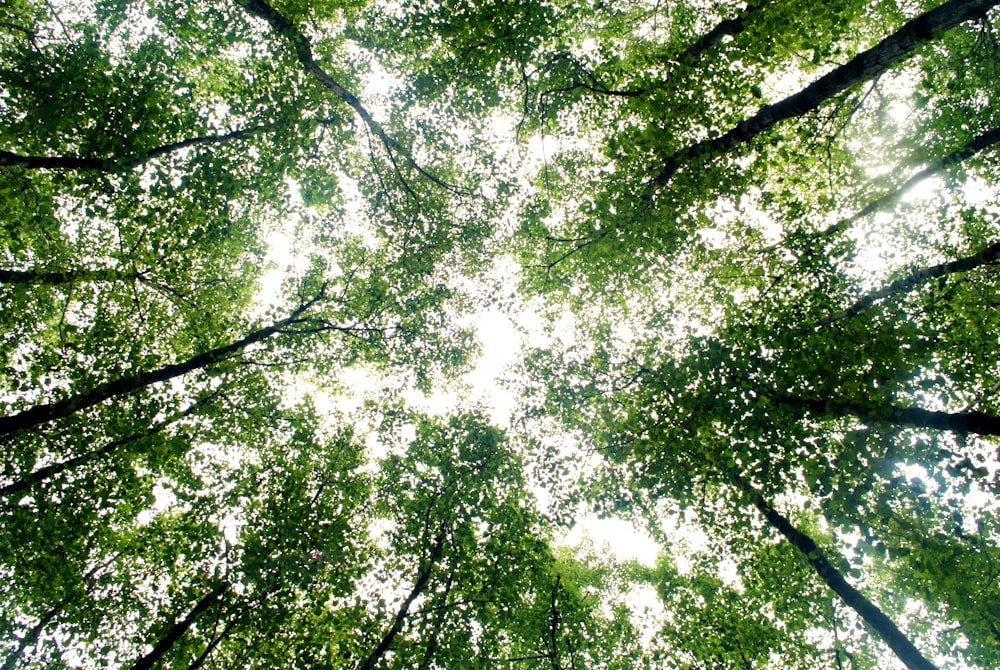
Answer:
x=988 y=255
x=49 y=471
x=968 y=150
x=873 y=616
x=40 y=414
x=178 y=629
x=8 y=158
x=962 y=423
x=865 y=65
x=397 y=625
x=285 y=28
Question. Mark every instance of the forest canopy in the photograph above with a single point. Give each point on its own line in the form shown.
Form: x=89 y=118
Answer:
x=749 y=253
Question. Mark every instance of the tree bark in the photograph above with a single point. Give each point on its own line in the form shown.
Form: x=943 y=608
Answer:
x=988 y=255
x=31 y=637
x=178 y=629
x=40 y=414
x=864 y=66
x=397 y=625
x=910 y=417
x=725 y=28
x=8 y=158
x=282 y=26
x=873 y=616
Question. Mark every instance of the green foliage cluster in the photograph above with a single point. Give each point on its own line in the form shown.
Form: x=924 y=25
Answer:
x=762 y=239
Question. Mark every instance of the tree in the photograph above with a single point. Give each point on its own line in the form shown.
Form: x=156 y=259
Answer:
x=764 y=236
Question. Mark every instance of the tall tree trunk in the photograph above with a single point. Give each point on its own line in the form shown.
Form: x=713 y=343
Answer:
x=109 y=164
x=178 y=629
x=967 y=150
x=48 y=471
x=864 y=66
x=55 y=278
x=910 y=417
x=31 y=637
x=282 y=26
x=397 y=625
x=40 y=414
x=988 y=255
x=724 y=28
x=873 y=616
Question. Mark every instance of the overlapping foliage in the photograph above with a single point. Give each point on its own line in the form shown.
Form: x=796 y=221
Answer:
x=765 y=240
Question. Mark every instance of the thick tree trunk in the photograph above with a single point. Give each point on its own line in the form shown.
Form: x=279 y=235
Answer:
x=178 y=629
x=40 y=414
x=873 y=616
x=988 y=255
x=83 y=163
x=864 y=66
x=910 y=417
x=397 y=625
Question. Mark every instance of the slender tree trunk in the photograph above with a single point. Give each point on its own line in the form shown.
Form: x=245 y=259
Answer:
x=178 y=629
x=725 y=28
x=48 y=278
x=873 y=616
x=432 y=643
x=910 y=417
x=31 y=637
x=210 y=647
x=48 y=471
x=107 y=164
x=988 y=255
x=554 y=626
x=397 y=625
x=39 y=414
x=968 y=150
x=282 y=26
x=864 y=66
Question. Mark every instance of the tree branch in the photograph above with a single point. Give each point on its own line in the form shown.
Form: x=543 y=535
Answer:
x=865 y=65
x=988 y=255
x=8 y=158
x=909 y=417
x=178 y=629
x=282 y=26
x=873 y=616
x=44 y=413
x=397 y=625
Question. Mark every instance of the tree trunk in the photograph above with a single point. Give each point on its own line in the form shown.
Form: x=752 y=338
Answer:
x=282 y=26
x=40 y=414
x=910 y=417
x=178 y=629
x=968 y=150
x=873 y=616
x=864 y=66
x=48 y=471
x=726 y=27
x=984 y=257
x=109 y=164
x=55 y=278
x=397 y=625
x=31 y=637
